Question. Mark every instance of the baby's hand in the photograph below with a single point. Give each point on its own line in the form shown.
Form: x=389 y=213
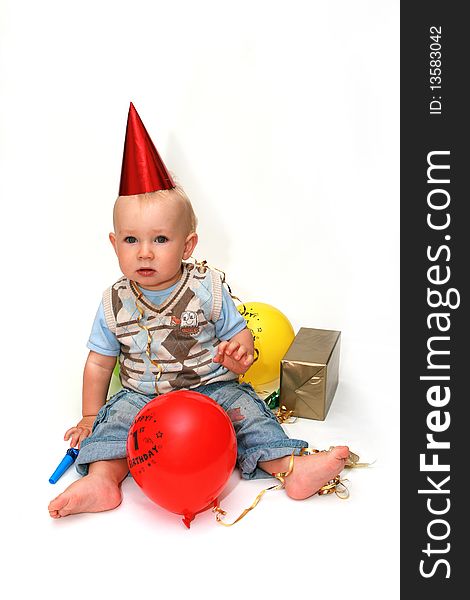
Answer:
x=234 y=356
x=81 y=431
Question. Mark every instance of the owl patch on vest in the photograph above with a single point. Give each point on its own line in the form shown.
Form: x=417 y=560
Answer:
x=188 y=323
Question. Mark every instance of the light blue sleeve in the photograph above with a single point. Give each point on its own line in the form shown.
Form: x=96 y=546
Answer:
x=102 y=340
x=230 y=322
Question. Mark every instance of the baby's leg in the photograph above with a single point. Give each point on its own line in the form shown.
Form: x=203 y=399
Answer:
x=98 y=491
x=310 y=472
x=101 y=459
x=262 y=444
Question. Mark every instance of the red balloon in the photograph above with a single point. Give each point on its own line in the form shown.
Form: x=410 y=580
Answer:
x=181 y=450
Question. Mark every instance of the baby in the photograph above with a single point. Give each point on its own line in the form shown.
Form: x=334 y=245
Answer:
x=173 y=326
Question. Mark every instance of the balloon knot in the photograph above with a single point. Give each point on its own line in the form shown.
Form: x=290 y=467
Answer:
x=187 y=520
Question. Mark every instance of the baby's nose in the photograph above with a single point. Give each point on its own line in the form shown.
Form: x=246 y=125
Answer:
x=145 y=250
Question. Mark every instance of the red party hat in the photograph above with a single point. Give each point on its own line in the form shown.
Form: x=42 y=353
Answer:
x=142 y=168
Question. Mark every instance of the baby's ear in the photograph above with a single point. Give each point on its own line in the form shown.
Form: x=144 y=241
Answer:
x=112 y=239
x=189 y=245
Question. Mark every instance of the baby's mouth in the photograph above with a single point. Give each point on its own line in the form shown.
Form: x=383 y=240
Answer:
x=146 y=272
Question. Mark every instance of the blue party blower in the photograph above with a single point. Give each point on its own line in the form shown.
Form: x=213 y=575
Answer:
x=64 y=464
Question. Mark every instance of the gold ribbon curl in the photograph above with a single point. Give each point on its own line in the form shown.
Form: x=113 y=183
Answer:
x=148 y=349
x=280 y=476
x=284 y=416
x=202 y=266
x=335 y=485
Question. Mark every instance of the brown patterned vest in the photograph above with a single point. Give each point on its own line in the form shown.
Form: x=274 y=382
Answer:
x=182 y=329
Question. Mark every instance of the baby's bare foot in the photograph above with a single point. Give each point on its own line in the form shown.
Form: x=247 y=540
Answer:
x=312 y=471
x=92 y=493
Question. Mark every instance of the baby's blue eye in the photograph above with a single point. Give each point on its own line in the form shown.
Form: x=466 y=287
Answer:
x=161 y=239
x=130 y=239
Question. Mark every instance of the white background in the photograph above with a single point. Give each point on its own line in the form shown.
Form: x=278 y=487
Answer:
x=281 y=122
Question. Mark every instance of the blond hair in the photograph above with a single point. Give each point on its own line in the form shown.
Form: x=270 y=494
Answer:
x=190 y=215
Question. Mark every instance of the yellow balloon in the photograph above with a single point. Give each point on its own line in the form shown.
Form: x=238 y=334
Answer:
x=272 y=334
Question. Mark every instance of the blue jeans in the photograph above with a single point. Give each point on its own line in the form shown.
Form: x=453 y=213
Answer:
x=259 y=435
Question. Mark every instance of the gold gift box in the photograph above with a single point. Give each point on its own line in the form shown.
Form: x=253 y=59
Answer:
x=309 y=373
